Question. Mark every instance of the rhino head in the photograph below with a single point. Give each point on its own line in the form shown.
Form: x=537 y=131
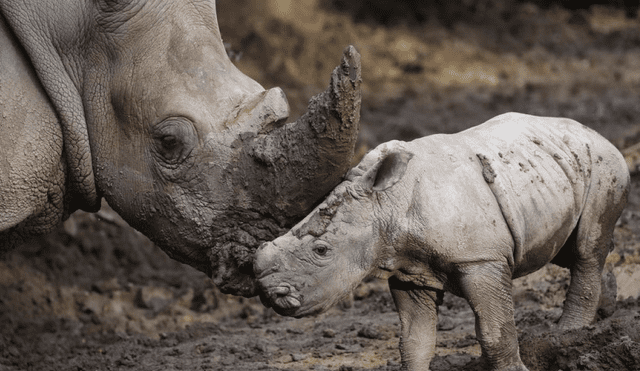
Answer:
x=185 y=147
x=342 y=241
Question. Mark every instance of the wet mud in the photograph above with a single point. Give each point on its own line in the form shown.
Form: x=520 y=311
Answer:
x=97 y=295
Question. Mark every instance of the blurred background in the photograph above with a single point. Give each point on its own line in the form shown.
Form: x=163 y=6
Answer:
x=442 y=66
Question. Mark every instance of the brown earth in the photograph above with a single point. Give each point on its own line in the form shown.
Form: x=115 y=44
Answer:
x=96 y=295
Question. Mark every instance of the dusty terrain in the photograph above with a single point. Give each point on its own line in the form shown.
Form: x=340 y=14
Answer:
x=97 y=295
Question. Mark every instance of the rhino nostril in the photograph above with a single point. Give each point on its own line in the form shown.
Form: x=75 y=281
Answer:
x=283 y=297
x=261 y=272
x=280 y=291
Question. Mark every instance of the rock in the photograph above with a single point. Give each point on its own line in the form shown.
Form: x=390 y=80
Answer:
x=299 y=357
x=13 y=351
x=154 y=298
x=349 y=348
x=446 y=323
x=373 y=332
x=106 y=286
x=328 y=333
x=628 y=280
x=91 y=303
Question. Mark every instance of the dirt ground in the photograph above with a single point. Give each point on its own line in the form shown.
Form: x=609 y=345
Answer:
x=97 y=295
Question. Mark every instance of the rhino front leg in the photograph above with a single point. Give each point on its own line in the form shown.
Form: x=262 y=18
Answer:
x=487 y=288
x=418 y=311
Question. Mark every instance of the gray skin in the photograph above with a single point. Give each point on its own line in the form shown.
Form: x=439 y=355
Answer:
x=465 y=213
x=138 y=103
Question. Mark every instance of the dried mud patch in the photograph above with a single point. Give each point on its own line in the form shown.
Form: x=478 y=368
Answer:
x=611 y=344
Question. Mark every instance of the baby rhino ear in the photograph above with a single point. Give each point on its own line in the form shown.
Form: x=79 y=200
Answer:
x=387 y=171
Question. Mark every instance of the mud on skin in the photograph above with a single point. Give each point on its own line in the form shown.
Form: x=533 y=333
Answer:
x=442 y=79
x=460 y=213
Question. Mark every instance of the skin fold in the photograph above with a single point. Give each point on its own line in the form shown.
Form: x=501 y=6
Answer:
x=138 y=103
x=466 y=213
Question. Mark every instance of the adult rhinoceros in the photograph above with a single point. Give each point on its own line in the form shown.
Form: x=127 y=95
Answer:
x=137 y=102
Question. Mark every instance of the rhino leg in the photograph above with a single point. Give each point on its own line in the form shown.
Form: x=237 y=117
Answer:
x=418 y=311
x=585 y=253
x=487 y=288
x=586 y=284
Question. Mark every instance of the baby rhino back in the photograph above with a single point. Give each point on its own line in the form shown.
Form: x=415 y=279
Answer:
x=544 y=173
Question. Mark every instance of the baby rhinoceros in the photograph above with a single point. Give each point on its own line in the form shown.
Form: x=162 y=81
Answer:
x=465 y=213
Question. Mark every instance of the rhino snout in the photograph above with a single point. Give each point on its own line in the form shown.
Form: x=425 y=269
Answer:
x=266 y=261
x=282 y=298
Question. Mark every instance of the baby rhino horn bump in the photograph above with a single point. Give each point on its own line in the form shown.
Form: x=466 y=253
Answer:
x=265 y=260
x=387 y=171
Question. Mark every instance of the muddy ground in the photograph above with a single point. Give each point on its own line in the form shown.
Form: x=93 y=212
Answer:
x=97 y=295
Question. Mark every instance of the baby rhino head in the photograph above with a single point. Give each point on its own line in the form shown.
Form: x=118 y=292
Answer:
x=324 y=257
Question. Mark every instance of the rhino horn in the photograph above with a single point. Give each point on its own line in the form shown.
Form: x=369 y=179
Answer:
x=307 y=158
x=262 y=112
x=281 y=170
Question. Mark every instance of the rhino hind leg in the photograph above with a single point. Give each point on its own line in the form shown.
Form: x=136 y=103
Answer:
x=587 y=281
x=592 y=289
x=585 y=256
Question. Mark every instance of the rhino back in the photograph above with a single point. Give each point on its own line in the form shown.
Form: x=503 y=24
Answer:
x=540 y=173
x=514 y=187
x=31 y=166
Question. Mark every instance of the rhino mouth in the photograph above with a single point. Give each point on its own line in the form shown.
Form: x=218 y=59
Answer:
x=282 y=299
x=290 y=305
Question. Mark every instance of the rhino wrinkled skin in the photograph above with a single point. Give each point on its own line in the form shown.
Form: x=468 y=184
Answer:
x=465 y=213
x=138 y=103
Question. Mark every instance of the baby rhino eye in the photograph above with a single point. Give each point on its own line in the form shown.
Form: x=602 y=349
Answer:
x=320 y=250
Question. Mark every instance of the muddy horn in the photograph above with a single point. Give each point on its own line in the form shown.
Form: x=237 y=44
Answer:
x=283 y=169
x=307 y=158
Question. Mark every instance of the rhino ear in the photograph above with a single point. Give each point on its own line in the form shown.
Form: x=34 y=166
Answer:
x=387 y=171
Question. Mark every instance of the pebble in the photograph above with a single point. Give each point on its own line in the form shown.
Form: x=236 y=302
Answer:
x=328 y=333
x=13 y=351
x=628 y=280
x=371 y=332
x=299 y=357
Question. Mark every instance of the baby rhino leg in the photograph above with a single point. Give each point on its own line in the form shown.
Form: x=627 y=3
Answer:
x=418 y=311
x=487 y=287
x=585 y=257
x=587 y=249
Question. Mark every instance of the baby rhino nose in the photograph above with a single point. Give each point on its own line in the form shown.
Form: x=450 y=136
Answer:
x=279 y=291
x=282 y=297
x=265 y=261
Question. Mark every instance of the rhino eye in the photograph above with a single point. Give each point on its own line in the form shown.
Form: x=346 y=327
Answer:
x=169 y=142
x=320 y=250
x=174 y=139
